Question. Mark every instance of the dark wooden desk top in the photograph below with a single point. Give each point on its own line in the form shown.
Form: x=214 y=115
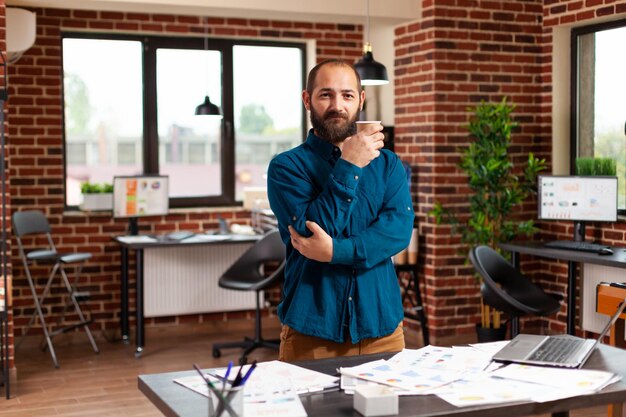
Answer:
x=617 y=259
x=174 y=400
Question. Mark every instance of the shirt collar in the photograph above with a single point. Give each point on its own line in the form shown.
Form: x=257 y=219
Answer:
x=324 y=148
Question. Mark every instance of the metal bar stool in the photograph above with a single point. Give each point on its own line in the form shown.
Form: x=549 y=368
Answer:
x=33 y=223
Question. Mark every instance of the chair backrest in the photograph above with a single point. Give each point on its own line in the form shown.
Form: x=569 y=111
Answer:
x=30 y=222
x=506 y=289
x=247 y=271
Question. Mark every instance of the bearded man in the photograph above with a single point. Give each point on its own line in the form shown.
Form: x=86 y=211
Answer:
x=344 y=209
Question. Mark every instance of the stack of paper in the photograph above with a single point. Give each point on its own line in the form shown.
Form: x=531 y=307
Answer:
x=271 y=390
x=420 y=371
x=137 y=239
x=301 y=379
x=466 y=376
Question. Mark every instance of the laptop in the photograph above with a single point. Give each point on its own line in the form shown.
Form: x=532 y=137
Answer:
x=561 y=350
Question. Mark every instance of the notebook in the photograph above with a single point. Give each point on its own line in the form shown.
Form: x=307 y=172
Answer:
x=562 y=350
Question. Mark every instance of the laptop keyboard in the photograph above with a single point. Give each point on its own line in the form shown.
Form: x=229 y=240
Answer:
x=556 y=349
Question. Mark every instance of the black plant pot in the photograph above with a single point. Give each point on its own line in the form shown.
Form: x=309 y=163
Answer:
x=489 y=334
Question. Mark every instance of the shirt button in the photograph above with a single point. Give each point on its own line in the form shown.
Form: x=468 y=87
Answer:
x=348 y=200
x=293 y=218
x=356 y=177
x=349 y=298
x=408 y=208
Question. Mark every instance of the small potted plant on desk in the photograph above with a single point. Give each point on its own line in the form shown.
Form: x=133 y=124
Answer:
x=495 y=192
x=596 y=166
x=96 y=197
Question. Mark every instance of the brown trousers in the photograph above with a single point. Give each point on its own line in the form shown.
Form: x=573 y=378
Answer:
x=295 y=346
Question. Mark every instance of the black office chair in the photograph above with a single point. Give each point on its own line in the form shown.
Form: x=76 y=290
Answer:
x=33 y=223
x=247 y=274
x=507 y=290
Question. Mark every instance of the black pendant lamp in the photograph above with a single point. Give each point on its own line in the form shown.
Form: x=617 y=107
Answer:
x=371 y=72
x=207 y=108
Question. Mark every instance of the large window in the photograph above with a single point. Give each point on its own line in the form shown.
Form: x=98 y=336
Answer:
x=599 y=96
x=129 y=109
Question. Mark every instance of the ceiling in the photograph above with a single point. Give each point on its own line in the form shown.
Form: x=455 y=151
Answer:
x=390 y=12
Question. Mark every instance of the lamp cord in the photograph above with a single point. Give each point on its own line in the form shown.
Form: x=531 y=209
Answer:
x=206 y=52
x=367 y=13
x=206 y=33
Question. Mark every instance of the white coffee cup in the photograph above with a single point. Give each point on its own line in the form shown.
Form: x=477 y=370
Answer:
x=362 y=124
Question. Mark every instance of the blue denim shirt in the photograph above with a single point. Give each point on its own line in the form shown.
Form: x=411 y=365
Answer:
x=369 y=214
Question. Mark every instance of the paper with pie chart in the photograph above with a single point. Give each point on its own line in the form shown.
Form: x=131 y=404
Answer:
x=417 y=380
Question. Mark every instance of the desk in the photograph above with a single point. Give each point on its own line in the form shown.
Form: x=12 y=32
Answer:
x=139 y=247
x=617 y=260
x=174 y=400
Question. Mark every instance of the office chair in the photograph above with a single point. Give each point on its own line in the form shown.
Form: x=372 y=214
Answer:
x=34 y=224
x=506 y=289
x=247 y=274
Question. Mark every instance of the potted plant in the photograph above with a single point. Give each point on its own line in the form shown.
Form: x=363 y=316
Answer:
x=496 y=190
x=96 y=197
x=596 y=166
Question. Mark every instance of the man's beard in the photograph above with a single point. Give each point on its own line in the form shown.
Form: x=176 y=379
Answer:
x=330 y=129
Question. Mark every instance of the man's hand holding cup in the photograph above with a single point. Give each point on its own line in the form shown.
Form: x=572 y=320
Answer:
x=362 y=148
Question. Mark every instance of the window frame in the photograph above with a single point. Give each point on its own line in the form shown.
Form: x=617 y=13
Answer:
x=150 y=155
x=574 y=93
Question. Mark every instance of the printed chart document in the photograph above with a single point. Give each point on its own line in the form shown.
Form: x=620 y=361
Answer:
x=269 y=399
x=271 y=390
x=465 y=376
x=301 y=379
x=422 y=370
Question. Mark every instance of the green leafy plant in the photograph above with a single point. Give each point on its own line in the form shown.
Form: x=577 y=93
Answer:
x=596 y=166
x=93 y=188
x=496 y=190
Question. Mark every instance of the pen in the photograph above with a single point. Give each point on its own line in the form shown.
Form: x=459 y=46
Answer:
x=215 y=391
x=230 y=366
x=247 y=375
x=237 y=380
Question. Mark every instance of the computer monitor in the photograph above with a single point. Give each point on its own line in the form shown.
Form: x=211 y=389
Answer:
x=140 y=196
x=579 y=199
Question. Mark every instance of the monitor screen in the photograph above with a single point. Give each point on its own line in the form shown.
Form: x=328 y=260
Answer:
x=140 y=195
x=592 y=198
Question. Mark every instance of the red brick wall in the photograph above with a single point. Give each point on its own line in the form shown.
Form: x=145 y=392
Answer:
x=464 y=51
x=7 y=220
x=36 y=131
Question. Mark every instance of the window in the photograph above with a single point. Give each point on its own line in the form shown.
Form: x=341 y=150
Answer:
x=599 y=97
x=137 y=116
x=267 y=113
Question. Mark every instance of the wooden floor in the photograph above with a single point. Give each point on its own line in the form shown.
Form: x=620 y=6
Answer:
x=105 y=384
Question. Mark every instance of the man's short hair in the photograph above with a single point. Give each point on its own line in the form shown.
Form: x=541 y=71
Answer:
x=310 y=82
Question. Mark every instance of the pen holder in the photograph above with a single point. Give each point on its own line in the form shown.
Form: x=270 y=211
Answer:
x=233 y=396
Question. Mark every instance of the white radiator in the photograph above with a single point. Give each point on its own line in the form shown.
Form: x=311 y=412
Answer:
x=183 y=280
x=592 y=275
